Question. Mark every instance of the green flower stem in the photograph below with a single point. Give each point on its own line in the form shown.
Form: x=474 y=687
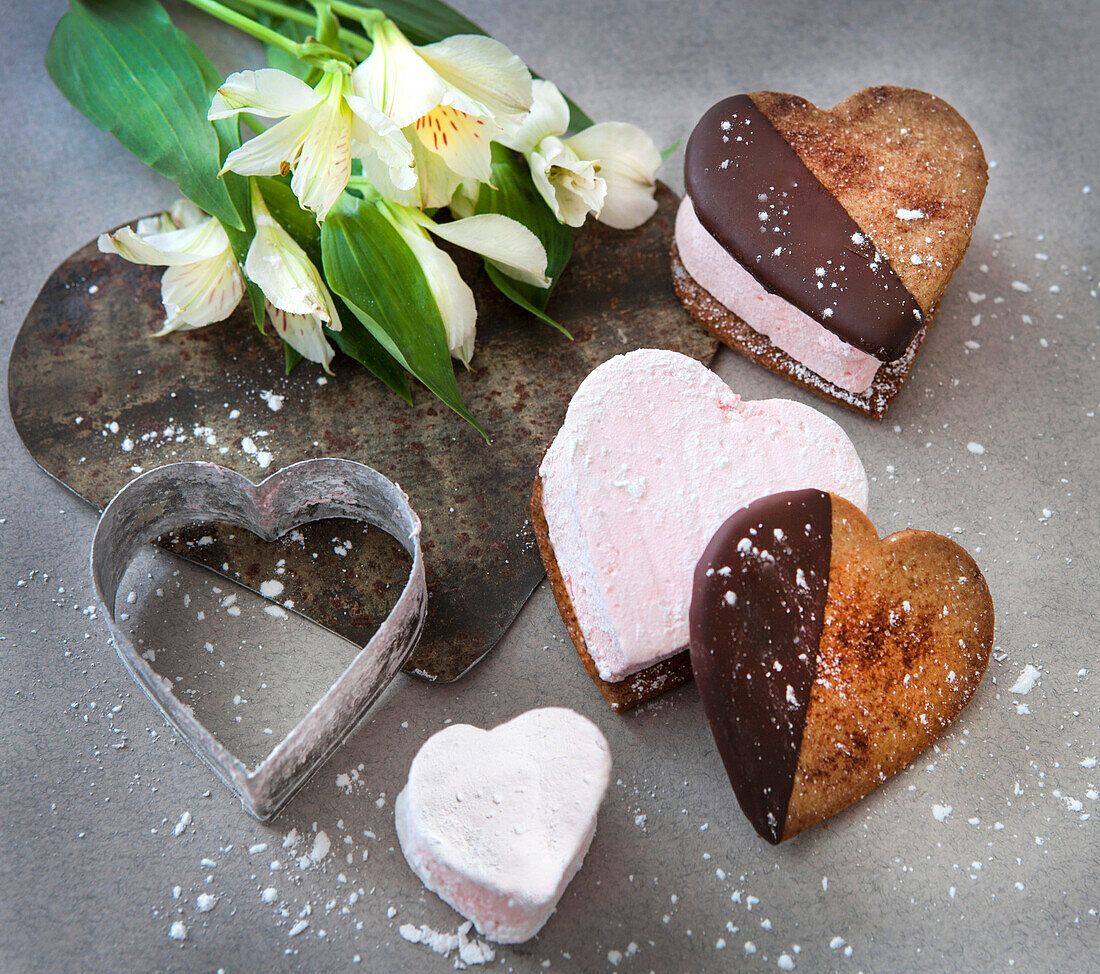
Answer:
x=248 y=25
x=299 y=16
x=283 y=10
x=353 y=11
x=364 y=187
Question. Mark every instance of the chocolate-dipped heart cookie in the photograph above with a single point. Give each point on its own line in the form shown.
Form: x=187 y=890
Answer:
x=826 y=658
x=819 y=243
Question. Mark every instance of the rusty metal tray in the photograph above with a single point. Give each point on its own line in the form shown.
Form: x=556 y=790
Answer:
x=97 y=400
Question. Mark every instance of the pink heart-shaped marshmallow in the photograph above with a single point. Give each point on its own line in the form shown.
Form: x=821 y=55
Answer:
x=496 y=823
x=655 y=453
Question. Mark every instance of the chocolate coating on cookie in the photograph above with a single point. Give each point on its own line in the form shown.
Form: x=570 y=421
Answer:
x=754 y=194
x=757 y=613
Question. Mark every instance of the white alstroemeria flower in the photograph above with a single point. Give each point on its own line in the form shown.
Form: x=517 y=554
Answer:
x=570 y=185
x=321 y=130
x=608 y=169
x=627 y=161
x=549 y=115
x=465 y=197
x=451 y=98
x=298 y=301
x=506 y=242
x=452 y=295
x=203 y=283
x=435 y=181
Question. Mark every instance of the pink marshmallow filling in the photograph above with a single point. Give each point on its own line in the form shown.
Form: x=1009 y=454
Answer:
x=797 y=334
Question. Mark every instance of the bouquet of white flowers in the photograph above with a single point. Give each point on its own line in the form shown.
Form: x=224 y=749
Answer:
x=378 y=129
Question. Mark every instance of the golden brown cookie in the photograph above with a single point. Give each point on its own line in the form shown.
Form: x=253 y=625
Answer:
x=826 y=658
x=857 y=216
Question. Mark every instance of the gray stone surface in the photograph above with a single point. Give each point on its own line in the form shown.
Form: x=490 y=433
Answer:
x=93 y=783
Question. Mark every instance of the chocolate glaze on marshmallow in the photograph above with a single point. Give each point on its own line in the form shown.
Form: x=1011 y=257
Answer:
x=713 y=268
x=760 y=202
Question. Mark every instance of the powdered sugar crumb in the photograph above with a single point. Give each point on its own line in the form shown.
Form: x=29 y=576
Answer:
x=471 y=951
x=274 y=402
x=441 y=943
x=321 y=846
x=271 y=589
x=1026 y=681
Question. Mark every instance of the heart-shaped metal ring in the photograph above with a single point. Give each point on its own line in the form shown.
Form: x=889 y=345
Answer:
x=179 y=494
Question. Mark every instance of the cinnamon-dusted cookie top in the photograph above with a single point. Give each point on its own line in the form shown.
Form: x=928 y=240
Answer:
x=827 y=658
x=904 y=164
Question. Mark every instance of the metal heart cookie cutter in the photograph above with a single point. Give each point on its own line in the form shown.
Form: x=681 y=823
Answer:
x=171 y=497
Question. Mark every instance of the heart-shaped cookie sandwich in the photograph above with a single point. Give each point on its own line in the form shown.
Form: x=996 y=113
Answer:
x=819 y=243
x=655 y=453
x=826 y=658
x=496 y=823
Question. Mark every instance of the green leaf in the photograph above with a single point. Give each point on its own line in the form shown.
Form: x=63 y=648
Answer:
x=257 y=303
x=511 y=289
x=513 y=194
x=665 y=153
x=368 y=263
x=228 y=131
x=355 y=341
x=293 y=357
x=132 y=73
